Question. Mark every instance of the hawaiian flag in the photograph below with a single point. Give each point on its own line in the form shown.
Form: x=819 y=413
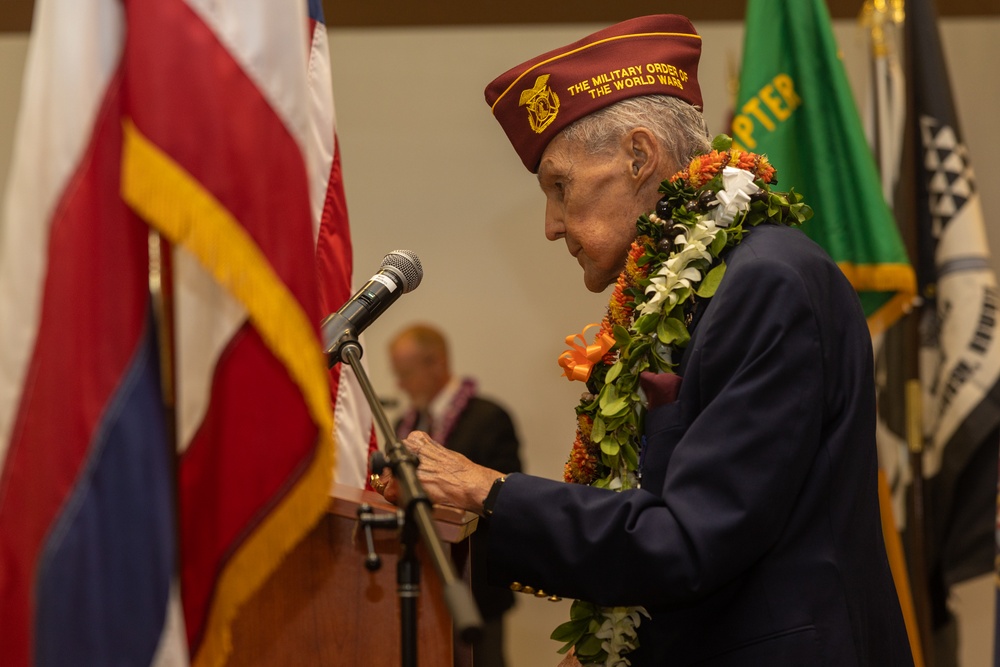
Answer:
x=193 y=123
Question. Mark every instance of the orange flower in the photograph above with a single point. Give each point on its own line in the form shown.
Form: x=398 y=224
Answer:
x=765 y=171
x=703 y=168
x=754 y=163
x=742 y=160
x=619 y=310
x=632 y=268
x=581 y=468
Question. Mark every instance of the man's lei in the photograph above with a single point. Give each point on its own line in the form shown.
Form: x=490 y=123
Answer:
x=674 y=265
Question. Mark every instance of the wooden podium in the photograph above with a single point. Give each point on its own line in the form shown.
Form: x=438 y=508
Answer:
x=323 y=608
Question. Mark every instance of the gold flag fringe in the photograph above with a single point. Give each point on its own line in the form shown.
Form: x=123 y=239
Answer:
x=898 y=278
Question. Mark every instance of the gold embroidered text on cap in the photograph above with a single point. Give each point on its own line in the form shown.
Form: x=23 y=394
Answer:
x=650 y=55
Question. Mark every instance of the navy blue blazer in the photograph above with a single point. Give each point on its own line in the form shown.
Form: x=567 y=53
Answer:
x=755 y=538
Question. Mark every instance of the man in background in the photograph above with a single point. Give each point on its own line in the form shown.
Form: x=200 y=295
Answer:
x=450 y=410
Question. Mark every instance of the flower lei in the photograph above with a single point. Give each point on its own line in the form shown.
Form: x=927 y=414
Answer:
x=672 y=267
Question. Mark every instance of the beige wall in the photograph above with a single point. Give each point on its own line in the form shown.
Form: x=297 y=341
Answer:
x=428 y=169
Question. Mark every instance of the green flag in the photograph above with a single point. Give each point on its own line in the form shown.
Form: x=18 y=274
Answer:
x=795 y=106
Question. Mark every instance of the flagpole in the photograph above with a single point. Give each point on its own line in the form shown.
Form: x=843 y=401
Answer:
x=905 y=196
x=162 y=304
x=161 y=296
x=883 y=17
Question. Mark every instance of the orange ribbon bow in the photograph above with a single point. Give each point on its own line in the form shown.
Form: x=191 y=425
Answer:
x=578 y=361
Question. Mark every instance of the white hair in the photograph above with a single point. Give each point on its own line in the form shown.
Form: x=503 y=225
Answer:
x=679 y=127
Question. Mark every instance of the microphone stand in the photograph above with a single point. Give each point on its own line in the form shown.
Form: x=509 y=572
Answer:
x=417 y=522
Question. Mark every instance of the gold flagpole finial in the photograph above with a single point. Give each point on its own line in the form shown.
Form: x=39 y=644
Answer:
x=877 y=15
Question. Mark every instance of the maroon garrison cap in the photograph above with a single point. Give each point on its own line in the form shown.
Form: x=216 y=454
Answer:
x=649 y=55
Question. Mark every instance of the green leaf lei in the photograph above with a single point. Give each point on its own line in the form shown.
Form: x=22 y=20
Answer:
x=674 y=266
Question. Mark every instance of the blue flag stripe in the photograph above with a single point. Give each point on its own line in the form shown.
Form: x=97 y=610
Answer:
x=106 y=568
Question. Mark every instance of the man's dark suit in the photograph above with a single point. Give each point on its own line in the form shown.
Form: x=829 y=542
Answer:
x=484 y=433
x=755 y=538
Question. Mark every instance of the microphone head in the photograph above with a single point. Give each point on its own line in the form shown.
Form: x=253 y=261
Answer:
x=406 y=265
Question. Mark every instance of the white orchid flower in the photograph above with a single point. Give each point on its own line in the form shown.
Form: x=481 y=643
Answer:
x=734 y=197
x=665 y=285
x=706 y=227
x=619 y=632
x=678 y=271
x=695 y=243
x=692 y=252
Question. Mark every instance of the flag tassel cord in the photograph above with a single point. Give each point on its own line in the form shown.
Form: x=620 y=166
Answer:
x=917 y=514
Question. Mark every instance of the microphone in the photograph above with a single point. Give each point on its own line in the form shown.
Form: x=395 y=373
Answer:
x=400 y=273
